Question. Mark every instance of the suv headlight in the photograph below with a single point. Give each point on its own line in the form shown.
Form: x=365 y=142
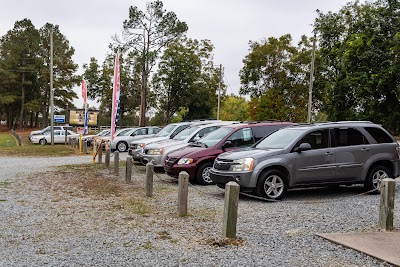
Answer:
x=245 y=164
x=155 y=151
x=185 y=161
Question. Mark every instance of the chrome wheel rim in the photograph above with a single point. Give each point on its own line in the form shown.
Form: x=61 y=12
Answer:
x=206 y=175
x=273 y=186
x=121 y=147
x=377 y=178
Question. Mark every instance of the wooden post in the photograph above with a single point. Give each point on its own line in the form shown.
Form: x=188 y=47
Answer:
x=149 y=179
x=183 y=182
x=100 y=155
x=388 y=188
x=230 y=210
x=107 y=158
x=94 y=150
x=80 y=144
x=128 y=173
x=116 y=163
x=84 y=149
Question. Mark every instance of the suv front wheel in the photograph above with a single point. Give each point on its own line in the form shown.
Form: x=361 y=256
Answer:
x=375 y=177
x=272 y=185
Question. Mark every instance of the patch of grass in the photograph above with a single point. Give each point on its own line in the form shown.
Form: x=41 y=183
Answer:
x=225 y=242
x=164 y=235
x=100 y=186
x=4 y=137
x=3 y=200
x=4 y=184
x=138 y=206
x=147 y=245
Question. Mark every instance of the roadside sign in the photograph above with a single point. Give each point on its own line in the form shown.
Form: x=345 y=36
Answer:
x=80 y=130
x=59 y=118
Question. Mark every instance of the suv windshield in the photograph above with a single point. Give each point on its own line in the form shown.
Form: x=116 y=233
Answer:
x=281 y=138
x=214 y=137
x=165 y=131
x=185 y=133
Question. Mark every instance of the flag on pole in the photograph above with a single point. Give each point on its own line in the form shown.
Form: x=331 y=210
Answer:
x=84 y=96
x=115 y=98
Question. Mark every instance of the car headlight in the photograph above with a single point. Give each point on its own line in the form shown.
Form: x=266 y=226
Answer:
x=185 y=161
x=245 y=164
x=155 y=151
x=141 y=145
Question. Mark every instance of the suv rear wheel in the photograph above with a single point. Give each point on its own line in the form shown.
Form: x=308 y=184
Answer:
x=374 y=178
x=272 y=184
x=203 y=174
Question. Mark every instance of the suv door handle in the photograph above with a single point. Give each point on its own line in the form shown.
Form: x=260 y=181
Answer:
x=329 y=153
x=365 y=149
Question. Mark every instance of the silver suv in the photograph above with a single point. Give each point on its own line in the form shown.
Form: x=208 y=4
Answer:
x=326 y=154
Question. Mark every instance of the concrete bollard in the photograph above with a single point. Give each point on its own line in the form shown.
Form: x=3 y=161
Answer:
x=183 y=184
x=128 y=173
x=107 y=158
x=149 y=179
x=230 y=210
x=100 y=155
x=116 y=163
x=386 y=207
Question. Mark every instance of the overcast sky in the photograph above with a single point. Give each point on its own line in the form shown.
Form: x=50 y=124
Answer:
x=230 y=25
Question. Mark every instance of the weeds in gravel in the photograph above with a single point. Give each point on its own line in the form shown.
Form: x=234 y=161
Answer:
x=147 y=245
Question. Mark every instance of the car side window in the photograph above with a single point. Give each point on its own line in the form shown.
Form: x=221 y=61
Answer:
x=379 y=135
x=317 y=139
x=57 y=128
x=179 y=129
x=349 y=137
x=56 y=133
x=153 y=130
x=242 y=137
x=204 y=132
x=142 y=131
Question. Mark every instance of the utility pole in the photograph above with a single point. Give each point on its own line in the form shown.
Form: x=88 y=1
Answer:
x=311 y=80
x=51 y=89
x=219 y=89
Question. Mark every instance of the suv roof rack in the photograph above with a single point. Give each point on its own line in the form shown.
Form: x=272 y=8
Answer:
x=342 y=122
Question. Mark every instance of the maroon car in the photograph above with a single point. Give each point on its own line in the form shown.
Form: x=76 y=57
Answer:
x=198 y=158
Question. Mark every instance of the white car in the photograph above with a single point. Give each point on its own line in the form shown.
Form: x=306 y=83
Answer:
x=59 y=137
x=121 y=141
x=47 y=130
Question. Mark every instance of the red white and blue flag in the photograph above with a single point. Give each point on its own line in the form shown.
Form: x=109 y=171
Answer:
x=115 y=98
x=84 y=96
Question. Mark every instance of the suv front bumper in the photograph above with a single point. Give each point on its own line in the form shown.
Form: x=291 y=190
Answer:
x=243 y=179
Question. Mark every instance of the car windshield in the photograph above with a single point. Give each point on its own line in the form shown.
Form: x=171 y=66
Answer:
x=165 y=131
x=216 y=136
x=124 y=132
x=46 y=129
x=185 y=133
x=281 y=138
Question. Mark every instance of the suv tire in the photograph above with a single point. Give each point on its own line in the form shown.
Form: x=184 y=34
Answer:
x=374 y=178
x=203 y=173
x=272 y=184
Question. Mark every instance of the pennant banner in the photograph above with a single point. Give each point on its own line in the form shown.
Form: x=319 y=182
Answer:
x=84 y=96
x=115 y=98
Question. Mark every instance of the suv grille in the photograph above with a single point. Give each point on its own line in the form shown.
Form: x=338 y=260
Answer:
x=170 y=161
x=222 y=164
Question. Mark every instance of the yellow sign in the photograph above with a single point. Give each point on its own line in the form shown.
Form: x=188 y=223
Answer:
x=77 y=117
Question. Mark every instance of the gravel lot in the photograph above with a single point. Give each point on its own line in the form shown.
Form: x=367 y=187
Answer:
x=69 y=217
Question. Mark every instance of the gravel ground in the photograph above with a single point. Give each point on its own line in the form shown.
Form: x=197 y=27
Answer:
x=66 y=217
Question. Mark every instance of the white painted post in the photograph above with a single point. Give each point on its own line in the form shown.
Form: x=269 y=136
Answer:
x=388 y=188
x=149 y=179
x=183 y=182
x=230 y=210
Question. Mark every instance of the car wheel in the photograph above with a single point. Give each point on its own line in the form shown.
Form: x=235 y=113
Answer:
x=374 y=178
x=122 y=146
x=203 y=174
x=42 y=141
x=272 y=184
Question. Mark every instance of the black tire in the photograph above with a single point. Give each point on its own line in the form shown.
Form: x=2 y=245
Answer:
x=42 y=141
x=374 y=178
x=203 y=175
x=122 y=146
x=272 y=184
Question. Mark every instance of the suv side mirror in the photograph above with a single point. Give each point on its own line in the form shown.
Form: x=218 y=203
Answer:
x=303 y=147
x=227 y=144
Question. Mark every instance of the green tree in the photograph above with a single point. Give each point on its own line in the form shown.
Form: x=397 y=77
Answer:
x=360 y=51
x=145 y=34
x=234 y=108
x=19 y=49
x=277 y=73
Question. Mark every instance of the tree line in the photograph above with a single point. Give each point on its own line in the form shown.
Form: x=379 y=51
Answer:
x=167 y=76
